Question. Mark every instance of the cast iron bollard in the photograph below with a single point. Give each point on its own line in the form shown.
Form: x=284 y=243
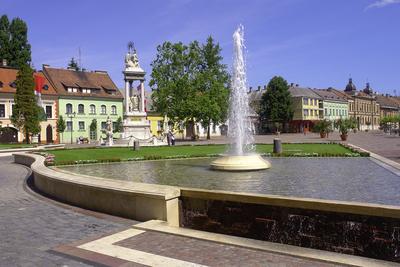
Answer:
x=136 y=145
x=277 y=145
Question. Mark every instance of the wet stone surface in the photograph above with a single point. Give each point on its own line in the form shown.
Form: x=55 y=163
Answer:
x=348 y=179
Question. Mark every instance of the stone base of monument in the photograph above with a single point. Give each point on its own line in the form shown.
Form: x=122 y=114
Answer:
x=240 y=163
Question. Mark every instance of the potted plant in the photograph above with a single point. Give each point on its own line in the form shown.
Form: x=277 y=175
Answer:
x=323 y=127
x=344 y=125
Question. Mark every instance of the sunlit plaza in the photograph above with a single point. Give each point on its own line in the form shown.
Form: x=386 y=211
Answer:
x=190 y=133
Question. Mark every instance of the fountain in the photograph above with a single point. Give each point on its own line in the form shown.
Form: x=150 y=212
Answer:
x=241 y=156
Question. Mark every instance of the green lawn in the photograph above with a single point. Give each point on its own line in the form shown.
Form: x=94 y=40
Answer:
x=69 y=156
x=10 y=146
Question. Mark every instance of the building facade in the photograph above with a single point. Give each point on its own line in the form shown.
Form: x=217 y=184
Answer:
x=389 y=106
x=11 y=134
x=334 y=107
x=363 y=107
x=307 y=107
x=85 y=98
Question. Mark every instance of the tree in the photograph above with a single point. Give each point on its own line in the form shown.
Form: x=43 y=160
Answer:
x=20 y=49
x=190 y=83
x=173 y=80
x=61 y=125
x=73 y=64
x=14 y=46
x=26 y=115
x=4 y=39
x=118 y=125
x=93 y=128
x=212 y=85
x=276 y=102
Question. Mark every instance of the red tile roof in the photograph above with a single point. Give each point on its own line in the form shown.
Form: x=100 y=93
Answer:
x=9 y=75
x=100 y=83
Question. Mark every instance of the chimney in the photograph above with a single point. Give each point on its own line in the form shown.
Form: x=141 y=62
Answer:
x=250 y=89
x=297 y=85
x=4 y=62
x=291 y=84
x=258 y=88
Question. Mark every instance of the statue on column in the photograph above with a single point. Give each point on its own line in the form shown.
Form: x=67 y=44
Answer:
x=131 y=58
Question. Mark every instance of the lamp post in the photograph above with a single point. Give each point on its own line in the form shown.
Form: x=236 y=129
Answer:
x=70 y=116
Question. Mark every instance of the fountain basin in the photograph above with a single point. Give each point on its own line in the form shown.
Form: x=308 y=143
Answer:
x=240 y=163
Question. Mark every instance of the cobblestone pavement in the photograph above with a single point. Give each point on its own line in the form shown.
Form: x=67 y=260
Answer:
x=30 y=227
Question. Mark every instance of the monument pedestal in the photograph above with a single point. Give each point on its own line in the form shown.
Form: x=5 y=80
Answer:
x=136 y=126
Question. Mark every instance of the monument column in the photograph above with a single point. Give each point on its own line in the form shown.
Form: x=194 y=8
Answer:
x=127 y=98
x=143 y=108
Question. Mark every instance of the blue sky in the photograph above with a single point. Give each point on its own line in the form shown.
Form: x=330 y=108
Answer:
x=315 y=43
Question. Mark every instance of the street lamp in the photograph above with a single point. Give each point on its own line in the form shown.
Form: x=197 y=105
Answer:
x=70 y=116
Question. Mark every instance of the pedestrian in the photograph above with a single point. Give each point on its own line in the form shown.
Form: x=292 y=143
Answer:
x=169 y=137
x=172 y=139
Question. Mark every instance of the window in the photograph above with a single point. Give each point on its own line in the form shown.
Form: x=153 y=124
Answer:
x=103 y=125
x=326 y=112
x=305 y=112
x=113 y=110
x=305 y=101
x=13 y=85
x=49 y=112
x=69 y=126
x=72 y=90
x=69 y=108
x=45 y=87
x=81 y=109
x=12 y=109
x=160 y=125
x=86 y=91
x=2 y=110
x=81 y=125
x=103 y=109
x=92 y=109
x=1 y=84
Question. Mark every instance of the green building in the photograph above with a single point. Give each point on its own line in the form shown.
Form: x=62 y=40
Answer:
x=334 y=107
x=82 y=98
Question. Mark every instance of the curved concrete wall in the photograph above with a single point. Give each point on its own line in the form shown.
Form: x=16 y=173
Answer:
x=121 y=198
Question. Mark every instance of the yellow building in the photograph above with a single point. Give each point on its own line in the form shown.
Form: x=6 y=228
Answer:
x=307 y=107
x=157 y=123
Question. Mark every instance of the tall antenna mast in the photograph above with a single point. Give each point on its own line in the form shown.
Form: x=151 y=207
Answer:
x=79 y=57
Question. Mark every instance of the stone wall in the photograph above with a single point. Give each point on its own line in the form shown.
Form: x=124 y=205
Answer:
x=355 y=234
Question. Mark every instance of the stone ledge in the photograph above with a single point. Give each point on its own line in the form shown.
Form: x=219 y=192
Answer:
x=137 y=201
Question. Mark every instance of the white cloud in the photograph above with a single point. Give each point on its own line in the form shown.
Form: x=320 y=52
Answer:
x=382 y=3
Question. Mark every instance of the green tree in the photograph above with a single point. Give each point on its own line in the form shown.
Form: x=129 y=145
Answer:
x=26 y=115
x=93 y=129
x=4 y=39
x=61 y=125
x=212 y=86
x=173 y=80
x=20 y=49
x=118 y=125
x=190 y=83
x=73 y=64
x=276 y=103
